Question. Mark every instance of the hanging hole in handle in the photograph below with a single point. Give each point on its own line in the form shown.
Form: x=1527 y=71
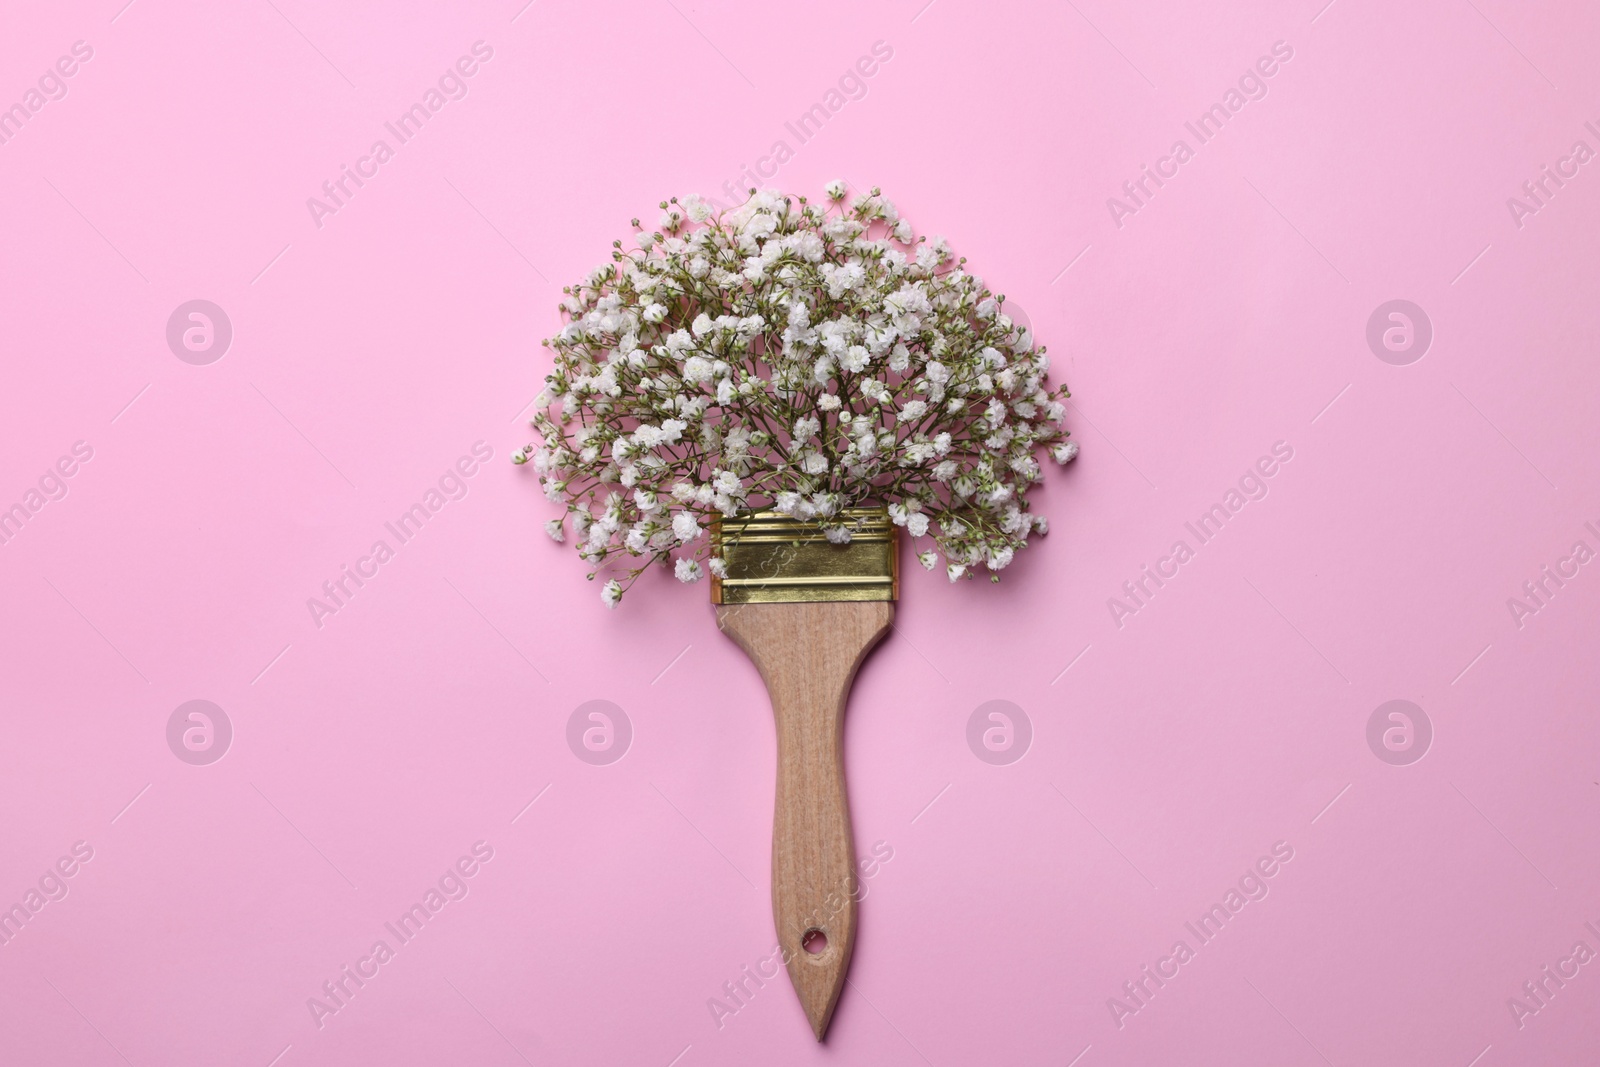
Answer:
x=814 y=941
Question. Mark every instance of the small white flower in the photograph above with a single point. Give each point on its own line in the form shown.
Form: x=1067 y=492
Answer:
x=685 y=527
x=917 y=524
x=556 y=531
x=955 y=571
x=687 y=570
x=929 y=560
x=913 y=410
x=835 y=189
x=698 y=209
x=611 y=593
x=760 y=225
x=908 y=299
x=808 y=246
x=1065 y=452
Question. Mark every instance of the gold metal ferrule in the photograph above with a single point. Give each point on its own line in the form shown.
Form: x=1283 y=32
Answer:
x=773 y=559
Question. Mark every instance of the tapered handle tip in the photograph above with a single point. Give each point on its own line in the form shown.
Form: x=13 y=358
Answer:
x=819 y=977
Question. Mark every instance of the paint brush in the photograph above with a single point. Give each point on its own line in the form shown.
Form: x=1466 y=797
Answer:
x=807 y=611
x=776 y=394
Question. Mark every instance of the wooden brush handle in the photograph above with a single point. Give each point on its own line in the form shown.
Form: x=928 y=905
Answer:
x=808 y=655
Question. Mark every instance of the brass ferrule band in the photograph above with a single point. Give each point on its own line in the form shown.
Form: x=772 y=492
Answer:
x=773 y=559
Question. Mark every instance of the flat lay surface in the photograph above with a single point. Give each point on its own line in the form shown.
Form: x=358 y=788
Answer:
x=1279 y=748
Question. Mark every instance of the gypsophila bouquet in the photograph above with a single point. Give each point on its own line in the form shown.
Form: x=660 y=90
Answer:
x=791 y=356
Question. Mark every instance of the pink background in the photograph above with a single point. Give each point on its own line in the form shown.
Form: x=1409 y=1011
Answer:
x=1230 y=713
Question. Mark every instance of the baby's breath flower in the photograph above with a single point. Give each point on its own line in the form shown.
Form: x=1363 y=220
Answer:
x=684 y=526
x=804 y=358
